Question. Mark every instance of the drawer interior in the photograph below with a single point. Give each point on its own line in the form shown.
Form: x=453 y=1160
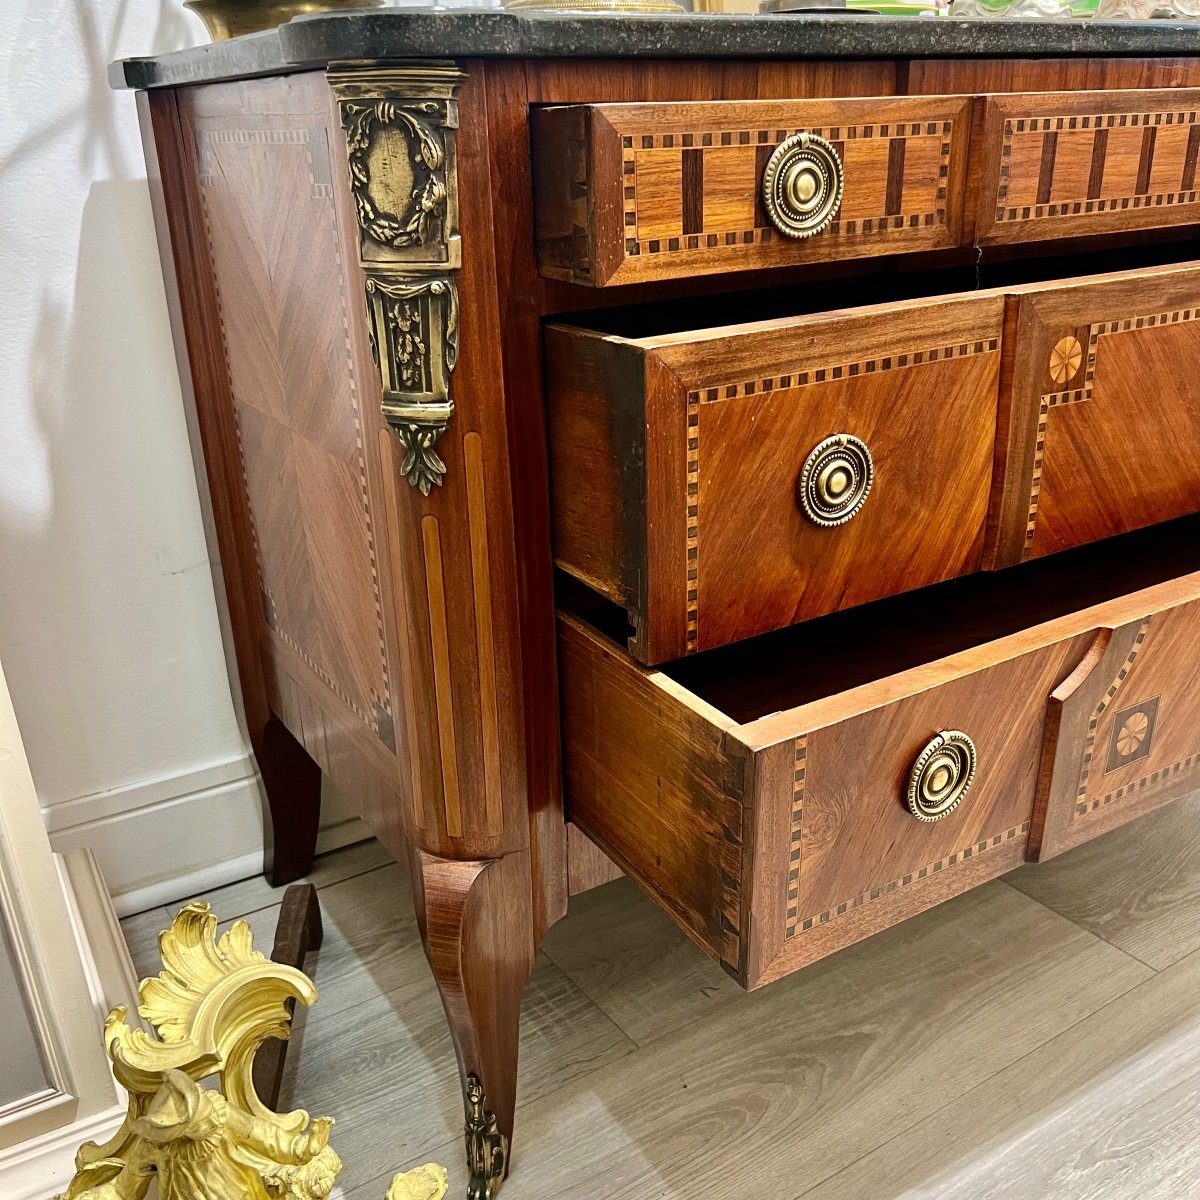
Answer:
x=805 y=663
x=897 y=282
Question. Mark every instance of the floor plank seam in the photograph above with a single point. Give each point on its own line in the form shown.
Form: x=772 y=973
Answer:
x=956 y=1102
x=321 y=887
x=1090 y=932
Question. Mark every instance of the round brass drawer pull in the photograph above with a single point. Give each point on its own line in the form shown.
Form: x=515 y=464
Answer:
x=941 y=775
x=802 y=185
x=836 y=479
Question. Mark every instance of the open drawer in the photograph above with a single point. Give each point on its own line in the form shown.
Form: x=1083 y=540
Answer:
x=627 y=193
x=792 y=795
x=725 y=482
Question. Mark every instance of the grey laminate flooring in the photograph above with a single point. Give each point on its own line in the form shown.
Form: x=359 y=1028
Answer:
x=1038 y=1039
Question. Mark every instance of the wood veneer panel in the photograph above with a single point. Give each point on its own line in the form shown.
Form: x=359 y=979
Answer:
x=940 y=76
x=612 y=196
x=1061 y=164
x=1102 y=403
x=275 y=253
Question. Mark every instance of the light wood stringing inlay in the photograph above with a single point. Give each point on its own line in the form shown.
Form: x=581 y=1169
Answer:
x=440 y=637
x=484 y=634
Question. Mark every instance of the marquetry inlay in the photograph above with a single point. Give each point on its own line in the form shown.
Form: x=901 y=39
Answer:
x=277 y=435
x=1070 y=366
x=795 y=852
x=1065 y=359
x=1132 y=735
x=700 y=190
x=693 y=518
x=1089 y=745
x=699 y=399
x=921 y=873
x=1072 y=165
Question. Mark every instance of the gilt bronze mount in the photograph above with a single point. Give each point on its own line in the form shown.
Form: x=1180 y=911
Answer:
x=487 y=1147
x=802 y=185
x=941 y=775
x=836 y=480
x=400 y=125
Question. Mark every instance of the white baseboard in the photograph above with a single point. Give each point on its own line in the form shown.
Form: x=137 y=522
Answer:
x=42 y=1168
x=176 y=836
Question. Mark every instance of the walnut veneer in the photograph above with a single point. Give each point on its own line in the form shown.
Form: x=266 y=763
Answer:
x=447 y=325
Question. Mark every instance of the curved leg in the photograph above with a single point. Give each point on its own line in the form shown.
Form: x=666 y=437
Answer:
x=292 y=812
x=476 y=921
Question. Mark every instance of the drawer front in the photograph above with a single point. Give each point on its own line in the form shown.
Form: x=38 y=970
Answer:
x=1124 y=731
x=695 y=480
x=774 y=853
x=1105 y=412
x=1065 y=164
x=840 y=832
x=626 y=193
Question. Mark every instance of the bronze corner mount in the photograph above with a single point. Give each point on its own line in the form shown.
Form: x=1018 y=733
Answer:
x=400 y=125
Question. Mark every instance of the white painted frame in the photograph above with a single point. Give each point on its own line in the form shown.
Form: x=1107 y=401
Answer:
x=51 y=907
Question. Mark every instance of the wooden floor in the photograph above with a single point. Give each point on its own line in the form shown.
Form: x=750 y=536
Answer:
x=1039 y=1038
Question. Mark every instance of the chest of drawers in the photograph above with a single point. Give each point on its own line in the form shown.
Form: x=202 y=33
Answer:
x=765 y=476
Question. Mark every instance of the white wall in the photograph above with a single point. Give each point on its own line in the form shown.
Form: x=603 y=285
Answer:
x=108 y=626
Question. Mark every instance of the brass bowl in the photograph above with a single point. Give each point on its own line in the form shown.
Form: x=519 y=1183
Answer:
x=230 y=18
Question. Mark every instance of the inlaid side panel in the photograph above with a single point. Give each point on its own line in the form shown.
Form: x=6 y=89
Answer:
x=1063 y=164
x=266 y=198
x=650 y=191
x=1104 y=404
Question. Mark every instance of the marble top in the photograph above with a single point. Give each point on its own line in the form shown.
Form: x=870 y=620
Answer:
x=311 y=42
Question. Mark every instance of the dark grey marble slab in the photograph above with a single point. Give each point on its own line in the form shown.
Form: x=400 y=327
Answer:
x=312 y=42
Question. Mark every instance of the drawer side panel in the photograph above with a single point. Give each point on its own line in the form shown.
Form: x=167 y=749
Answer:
x=657 y=785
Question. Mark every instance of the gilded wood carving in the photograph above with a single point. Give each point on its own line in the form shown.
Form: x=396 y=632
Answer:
x=399 y=125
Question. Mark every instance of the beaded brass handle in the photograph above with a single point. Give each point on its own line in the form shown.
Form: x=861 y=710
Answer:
x=941 y=775
x=836 y=479
x=802 y=185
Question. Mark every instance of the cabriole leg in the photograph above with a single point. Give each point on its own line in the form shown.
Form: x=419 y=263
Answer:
x=476 y=920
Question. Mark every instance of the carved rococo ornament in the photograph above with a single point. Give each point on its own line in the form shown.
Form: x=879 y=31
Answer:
x=400 y=126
